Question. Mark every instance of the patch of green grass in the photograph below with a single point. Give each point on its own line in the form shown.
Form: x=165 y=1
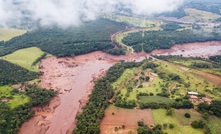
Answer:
x=25 y=57
x=135 y=21
x=14 y=100
x=160 y=117
x=18 y=100
x=199 y=15
x=154 y=86
x=7 y=34
x=179 y=115
x=157 y=99
x=197 y=84
x=5 y=91
x=124 y=77
x=214 y=124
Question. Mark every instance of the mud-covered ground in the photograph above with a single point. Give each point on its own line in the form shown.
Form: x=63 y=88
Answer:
x=73 y=78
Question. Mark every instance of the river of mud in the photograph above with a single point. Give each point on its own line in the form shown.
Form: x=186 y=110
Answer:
x=73 y=78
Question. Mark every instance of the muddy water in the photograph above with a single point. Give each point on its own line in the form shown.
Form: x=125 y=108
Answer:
x=73 y=78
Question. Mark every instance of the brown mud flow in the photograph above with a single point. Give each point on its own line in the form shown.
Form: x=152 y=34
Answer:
x=73 y=78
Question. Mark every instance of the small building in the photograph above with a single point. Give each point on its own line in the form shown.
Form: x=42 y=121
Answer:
x=193 y=93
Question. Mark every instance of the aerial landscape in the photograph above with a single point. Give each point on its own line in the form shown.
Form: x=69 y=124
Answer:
x=110 y=67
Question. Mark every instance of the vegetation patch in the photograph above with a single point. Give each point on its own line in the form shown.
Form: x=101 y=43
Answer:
x=151 y=40
x=13 y=74
x=27 y=58
x=160 y=117
x=7 y=34
x=17 y=110
x=89 y=37
x=155 y=99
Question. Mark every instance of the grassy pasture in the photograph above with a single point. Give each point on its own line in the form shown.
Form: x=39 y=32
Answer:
x=214 y=124
x=15 y=99
x=160 y=117
x=25 y=57
x=157 y=99
x=197 y=83
x=135 y=21
x=124 y=77
x=199 y=15
x=7 y=34
x=189 y=62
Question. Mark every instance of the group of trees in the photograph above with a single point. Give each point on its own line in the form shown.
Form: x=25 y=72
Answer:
x=13 y=74
x=90 y=36
x=214 y=108
x=216 y=58
x=12 y=119
x=150 y=40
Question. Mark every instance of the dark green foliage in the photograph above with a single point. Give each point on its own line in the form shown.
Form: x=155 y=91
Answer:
x=185 y=104
x=145 y=130
x=172 y=26
x=12 y=119
x=164 y=39
x=140 y=123
x=38 y=96
x=13 y=74
x=216 y=58
x=115 y=51
x=198 y=124
x=39 y=59
x=117 y=70
x=214 y=108
x=91 y=36
x=187 y=115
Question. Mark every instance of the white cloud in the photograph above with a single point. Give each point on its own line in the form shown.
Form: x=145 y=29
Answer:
x=66 y=13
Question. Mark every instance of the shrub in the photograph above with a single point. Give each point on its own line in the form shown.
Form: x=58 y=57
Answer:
x=171 y=126
x=187 y=115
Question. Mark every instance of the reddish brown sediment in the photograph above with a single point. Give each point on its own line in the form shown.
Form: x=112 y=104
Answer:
x=73 y=78
x=197 y=49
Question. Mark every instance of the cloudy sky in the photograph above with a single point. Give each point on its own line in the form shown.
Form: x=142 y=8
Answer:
x=66 y=13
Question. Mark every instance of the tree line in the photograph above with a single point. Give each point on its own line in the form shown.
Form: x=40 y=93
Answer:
x=150 y=40
x=13 y=74
x=91 y=36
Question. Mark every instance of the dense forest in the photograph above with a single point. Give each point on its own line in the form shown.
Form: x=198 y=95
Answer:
x=88 y=121
x=12 y=119
x=150 y=40
x=13 y=74
x=88 y=37
x=216 y=58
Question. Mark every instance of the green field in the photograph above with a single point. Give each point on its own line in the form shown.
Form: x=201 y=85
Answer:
x=195 y=15
x=135 y=21
x=196 y=83
x=25 y=57
x=7 y=34
x=215 y=125
x=189 y=62
x=157 y=99
x=124 y=77
x=160 y=117
x=14 y=99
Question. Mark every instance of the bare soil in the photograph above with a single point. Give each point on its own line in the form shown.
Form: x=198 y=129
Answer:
x=126 y=117
x=198 y=49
